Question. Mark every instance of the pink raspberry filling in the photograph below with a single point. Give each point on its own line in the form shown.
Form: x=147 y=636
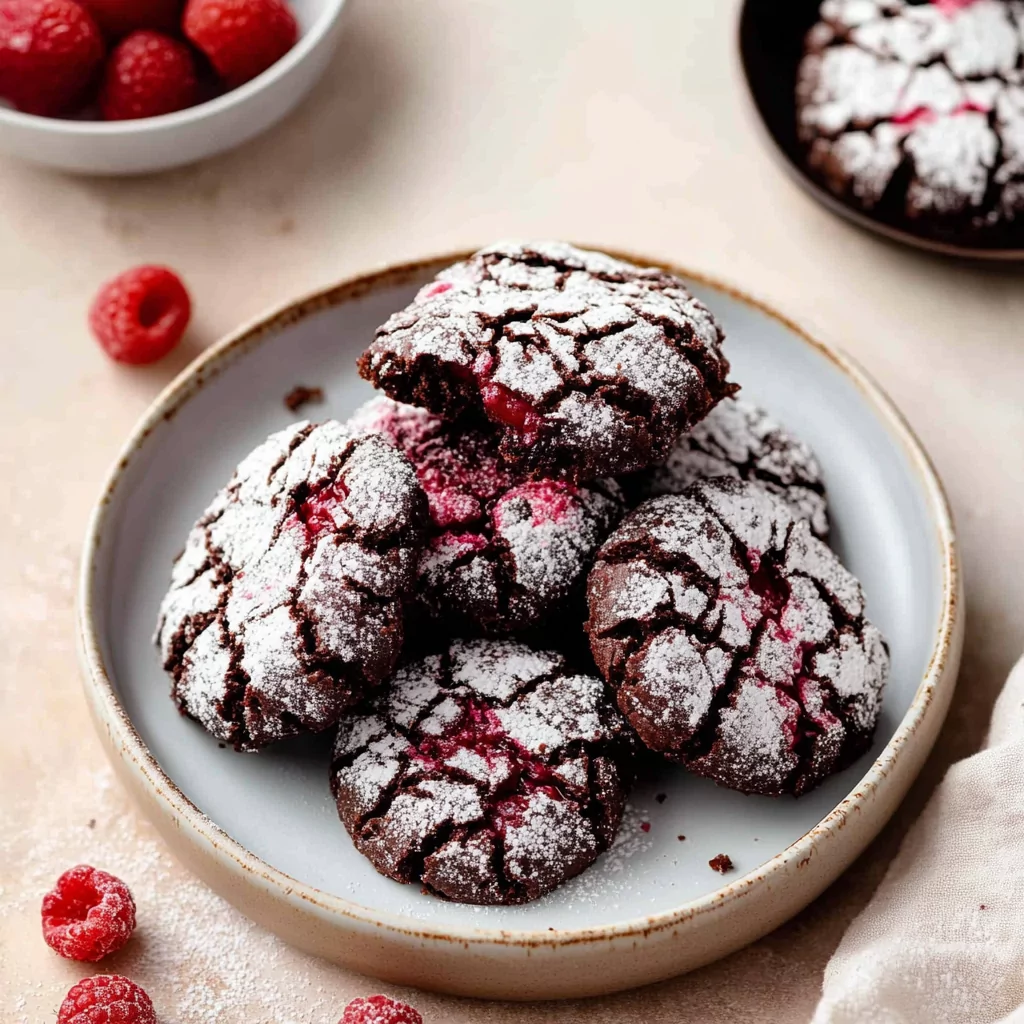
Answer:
x=432 y=290
x=455 y=492
x=317 y=511
x=550 y=501
x=503 y=404
x=515 y=774
x=923 y=115
x=467 y=541
x=950 y=7
x=508 y=408
x=770 y=593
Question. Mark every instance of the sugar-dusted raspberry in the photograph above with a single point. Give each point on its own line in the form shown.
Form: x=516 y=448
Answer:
x=736 y=641
x=118 y=18
x=285 y=606
x=147 y=75
x=106 y=999
x=241 y=38
x=490 y=773
x=50 y=53
x=505 y=554
x=88 y=914
x=379 y=1010
x=140 y=315
x=586 y=366
x=738 y=439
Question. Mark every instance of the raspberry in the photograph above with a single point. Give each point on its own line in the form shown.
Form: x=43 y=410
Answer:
x=242 y=38
x=148 y=74
x=88 y=914
x=50 y=52
x=140 y=315
x=119 y=17
x=378 y=1010
x=106 y=999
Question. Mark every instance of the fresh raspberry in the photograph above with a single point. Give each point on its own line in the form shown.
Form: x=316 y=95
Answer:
x=106 y=999
x=140 y=315
x=88 y=914
x=119 y=17
x=379 y=1010
x=242 y=38
x=148 y=74
x=50 y=52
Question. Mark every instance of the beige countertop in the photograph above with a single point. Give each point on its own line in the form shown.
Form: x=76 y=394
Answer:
x=445 y=125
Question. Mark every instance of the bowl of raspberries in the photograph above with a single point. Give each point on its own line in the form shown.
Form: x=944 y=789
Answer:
x=138 y=86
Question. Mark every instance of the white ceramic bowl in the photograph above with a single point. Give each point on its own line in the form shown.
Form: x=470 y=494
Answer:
x=262 y=829
x=160 y=143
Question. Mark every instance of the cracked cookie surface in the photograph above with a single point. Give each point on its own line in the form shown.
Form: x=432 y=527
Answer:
x=917 y=110
x=490 y=773
x=586 y=365
x=504 y=553
x=740 y=440
x=735 y=640
x=285 y=605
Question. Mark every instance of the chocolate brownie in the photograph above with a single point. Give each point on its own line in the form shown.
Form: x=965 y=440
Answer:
x=285 y=605
x=738 y=439
x=917 y=110
x=504 y=553
x=735 y=639
x=489 y=773
x=587 y=366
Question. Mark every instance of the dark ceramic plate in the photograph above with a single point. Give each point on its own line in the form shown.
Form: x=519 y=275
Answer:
x=771 y=44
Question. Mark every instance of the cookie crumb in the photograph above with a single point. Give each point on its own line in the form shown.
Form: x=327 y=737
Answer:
x=722 y=863
x=300 y=395
x=661 y=797
x=681 y=839
x=91 y=823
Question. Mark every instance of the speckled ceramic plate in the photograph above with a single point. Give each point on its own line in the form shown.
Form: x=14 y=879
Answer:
x=262 y=830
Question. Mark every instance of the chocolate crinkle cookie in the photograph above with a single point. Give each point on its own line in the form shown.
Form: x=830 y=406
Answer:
x=735 y=639
x=586 y=365
x=285 y=605
x=490 y=773
x=918 y=109
x=740 y=440
x=504 y=553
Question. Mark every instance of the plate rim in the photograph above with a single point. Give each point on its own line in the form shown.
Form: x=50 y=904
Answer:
x=113 y=723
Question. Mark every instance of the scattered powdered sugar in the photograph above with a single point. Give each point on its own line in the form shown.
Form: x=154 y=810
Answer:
x=738 y=439
x=284 y=605
x=588 y=365
x=773 y=679
x=200 y=960
x=891 y=84
x=489 y=773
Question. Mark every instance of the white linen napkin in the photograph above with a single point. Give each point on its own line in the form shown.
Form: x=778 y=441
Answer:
x=942 y=940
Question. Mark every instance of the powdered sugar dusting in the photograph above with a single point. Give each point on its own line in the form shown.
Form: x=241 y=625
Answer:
x=740 y=440
x=893 y=85
x=283 y=607
x=201 y=960
x=497 y=774
x=504 y=552
x=560 y=347
x=774 y=679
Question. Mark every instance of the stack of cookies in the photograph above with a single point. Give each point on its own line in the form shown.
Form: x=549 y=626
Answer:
x=555 y=542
